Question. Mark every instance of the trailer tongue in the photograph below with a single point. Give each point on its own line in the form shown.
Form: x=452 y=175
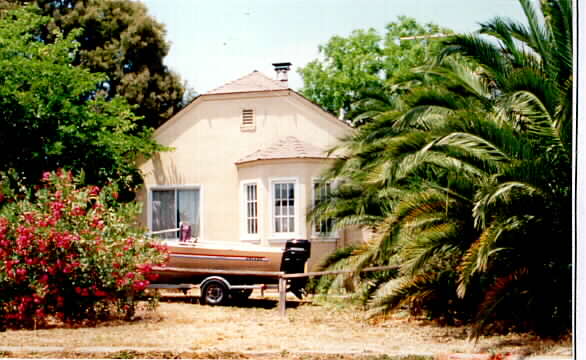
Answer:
x=226 y=270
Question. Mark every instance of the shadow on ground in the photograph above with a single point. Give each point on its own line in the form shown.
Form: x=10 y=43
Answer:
x=261 y=303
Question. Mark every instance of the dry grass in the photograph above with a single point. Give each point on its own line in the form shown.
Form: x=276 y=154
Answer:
x=180 y=325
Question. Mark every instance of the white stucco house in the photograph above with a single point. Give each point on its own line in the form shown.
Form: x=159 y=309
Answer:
x=246 y=160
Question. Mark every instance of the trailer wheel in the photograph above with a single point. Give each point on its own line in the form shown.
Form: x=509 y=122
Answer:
x=241 y=295
x=214 y=292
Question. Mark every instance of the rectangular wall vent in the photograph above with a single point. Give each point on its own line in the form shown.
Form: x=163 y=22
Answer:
x=247 y=119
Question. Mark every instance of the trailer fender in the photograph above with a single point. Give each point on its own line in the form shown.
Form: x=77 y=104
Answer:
x=217 y=278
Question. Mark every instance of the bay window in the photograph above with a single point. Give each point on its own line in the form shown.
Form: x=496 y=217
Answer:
x=321 y=191
x=283 y=195
x=251 y=209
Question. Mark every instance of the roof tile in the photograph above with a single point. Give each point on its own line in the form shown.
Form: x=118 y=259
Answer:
x=287 y=148
x=255 y=81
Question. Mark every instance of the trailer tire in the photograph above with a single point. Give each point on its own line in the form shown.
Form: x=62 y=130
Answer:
x=214 y=292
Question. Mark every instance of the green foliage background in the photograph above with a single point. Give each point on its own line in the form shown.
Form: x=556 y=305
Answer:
x=52 y=115
x=120 y=39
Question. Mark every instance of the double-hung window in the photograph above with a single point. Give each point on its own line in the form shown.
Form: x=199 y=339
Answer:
x=283 y=202
x=173 y=206
x=251 y=209
x=321 y=191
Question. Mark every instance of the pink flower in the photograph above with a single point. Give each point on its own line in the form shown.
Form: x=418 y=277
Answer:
x=97 y=223
x=140 y=285
x=28 y=217
x=40 y=313
x=21 y=272
x=100 y=293
x=77 y=211
x=94 y=191
x=144 y=268
x=46 y=176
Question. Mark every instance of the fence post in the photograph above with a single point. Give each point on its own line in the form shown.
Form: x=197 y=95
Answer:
x=282 y=295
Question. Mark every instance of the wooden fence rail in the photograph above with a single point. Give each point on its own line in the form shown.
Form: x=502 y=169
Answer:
x=281 y=276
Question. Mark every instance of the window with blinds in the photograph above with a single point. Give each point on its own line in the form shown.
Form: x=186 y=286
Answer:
x=172 y=206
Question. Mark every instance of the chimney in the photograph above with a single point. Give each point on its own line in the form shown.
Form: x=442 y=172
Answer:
x=281 y=70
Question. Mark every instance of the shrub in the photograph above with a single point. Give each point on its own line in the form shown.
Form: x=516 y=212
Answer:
x=70 y=252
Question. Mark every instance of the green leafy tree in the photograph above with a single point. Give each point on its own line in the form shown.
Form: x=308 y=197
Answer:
x=118 y=38
x=51 y=115
x=365 y=63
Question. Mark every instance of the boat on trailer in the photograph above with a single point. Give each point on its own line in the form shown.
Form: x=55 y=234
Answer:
x=230 y=270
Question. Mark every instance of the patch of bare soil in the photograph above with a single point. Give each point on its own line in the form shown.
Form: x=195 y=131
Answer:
x=181 y=328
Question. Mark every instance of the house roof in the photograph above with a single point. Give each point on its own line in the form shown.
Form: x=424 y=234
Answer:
x=255 y=81
x=287 y=148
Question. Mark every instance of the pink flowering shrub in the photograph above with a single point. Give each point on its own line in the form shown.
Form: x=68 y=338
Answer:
x=70 y=252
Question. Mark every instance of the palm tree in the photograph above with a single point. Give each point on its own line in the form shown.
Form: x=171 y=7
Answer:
x=524 y=210
x=467 y=179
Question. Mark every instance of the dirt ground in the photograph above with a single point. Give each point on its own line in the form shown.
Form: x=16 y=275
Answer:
x=180 y=327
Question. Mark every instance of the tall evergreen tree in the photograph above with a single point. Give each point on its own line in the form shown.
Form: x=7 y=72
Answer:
x=119 y=38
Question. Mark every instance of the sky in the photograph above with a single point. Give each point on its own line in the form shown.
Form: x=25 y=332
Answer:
x=217 y=41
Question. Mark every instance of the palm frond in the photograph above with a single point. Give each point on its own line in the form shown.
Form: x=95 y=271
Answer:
x=502 y=29
x=495 y=295
x=501 y=195
x=481 y=51
x=427 y=244
x=458 y=71
x=540 y=36
x=473 y=145
x=478 y=256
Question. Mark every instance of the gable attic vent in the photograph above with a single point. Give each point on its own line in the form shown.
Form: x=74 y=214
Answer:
x=247 y=119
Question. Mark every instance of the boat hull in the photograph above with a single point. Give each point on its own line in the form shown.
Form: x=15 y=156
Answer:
x=243 y=263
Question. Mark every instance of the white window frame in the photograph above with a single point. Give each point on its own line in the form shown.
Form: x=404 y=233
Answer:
x=150 y=190
x=244 y=235
x=284 y=235
x=332 y=235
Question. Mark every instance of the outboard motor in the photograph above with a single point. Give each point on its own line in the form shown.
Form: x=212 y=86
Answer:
x=294 y=258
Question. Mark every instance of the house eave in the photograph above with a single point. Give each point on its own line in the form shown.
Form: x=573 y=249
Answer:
x=283 y=160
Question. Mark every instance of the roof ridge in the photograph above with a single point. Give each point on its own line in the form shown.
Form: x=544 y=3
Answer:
x=276 y=82
x=241 y=85
x=231 y=82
